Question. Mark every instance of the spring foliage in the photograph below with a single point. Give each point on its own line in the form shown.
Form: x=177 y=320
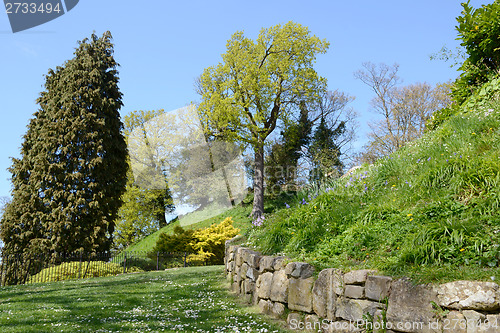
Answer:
x=205 y=245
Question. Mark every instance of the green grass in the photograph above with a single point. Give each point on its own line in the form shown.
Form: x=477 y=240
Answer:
x=429 y=211
x=186 y=299
x=197 y=220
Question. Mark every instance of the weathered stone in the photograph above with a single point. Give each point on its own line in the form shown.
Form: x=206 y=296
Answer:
x=289 y=268
x=469 y=295
x=266 y=264
x=253 y=259
x=454 y=323
x=294 y=320
x=248 y=287
x=352 y=291
x=279 y=287
x=231 y=266
x=252 y=274
x=238 y=257
x=323 y=295
x=337 y=282
x=263 y=286
x=265 y=306
x=300 y=294
x=230 y=257
x=377 y=287
x=492 y=324
x=235 y=287
x=298 y=270
x=243 y=270
x=355 y=309
x=474 y=320
x=312 y=323
x=357 y=277
x=279 y=263
x=278 y=310
x=410 y=304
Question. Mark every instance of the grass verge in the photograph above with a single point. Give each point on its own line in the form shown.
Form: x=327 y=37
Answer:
x=187 y=299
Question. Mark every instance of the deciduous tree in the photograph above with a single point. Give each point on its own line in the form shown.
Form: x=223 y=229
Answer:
x=256 y=84
x=404 y=110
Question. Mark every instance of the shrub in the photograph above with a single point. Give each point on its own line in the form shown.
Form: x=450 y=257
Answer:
x=75 y=270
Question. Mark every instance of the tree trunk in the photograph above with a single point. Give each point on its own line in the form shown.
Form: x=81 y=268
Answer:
x=258 y=183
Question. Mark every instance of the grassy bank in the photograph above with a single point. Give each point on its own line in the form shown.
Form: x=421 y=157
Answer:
x=430 y=210
x=188 y=299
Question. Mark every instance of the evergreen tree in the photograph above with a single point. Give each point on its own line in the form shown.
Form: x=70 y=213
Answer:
x=282 y=160
x=324 y=151
x=68 y=182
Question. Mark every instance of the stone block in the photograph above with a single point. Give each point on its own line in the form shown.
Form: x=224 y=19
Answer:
x=299 y=270
x=279 y=287
x=243 y=270
x=278 y=310
x=353 y=291
x=377 y=287
x=294 y=320
x=454 y=322
x=312 y=323
x=266 y=264
x=279 y=263
x=355 y=309
x=323 y=295
x=357 y=277
x=469 y=295
x=238 y=256
x=236 y=287
x=263 y=286
x=248 y=287
x=409 y=304
x=265 y=306
x=300 y=294
x=252 y=274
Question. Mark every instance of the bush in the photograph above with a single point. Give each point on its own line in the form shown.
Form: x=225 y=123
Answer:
x=75 y=270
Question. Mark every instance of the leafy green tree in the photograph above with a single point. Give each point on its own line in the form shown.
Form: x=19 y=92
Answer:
x=478 y=30
x=68 y=183
x=180 y=241
x=144 y=209
x=256 y=84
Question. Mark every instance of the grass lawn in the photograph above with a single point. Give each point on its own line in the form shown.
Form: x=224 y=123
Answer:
x=179 y=300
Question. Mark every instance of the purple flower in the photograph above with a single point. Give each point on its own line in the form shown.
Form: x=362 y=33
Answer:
x=258 y=222
x=304 y=202
x=418 y=161
x=429 y=159
x=287 y=205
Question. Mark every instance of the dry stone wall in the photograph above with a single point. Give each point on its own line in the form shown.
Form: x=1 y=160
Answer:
x=361 y=300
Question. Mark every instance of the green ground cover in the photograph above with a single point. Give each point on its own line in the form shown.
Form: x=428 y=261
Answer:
x=177 y=300
x=429 y=211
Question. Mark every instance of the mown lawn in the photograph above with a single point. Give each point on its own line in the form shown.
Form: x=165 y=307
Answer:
x=178 y=300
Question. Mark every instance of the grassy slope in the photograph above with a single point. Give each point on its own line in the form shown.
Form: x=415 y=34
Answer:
x=196 y=220
x=430 y=211
x=188 y=299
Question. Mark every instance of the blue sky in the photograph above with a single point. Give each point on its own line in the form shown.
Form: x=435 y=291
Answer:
x=163 y=46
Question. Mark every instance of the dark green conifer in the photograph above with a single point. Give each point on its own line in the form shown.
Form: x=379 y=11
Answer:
x=68 y=182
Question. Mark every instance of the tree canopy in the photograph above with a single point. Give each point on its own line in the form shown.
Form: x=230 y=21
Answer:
x=257 y=84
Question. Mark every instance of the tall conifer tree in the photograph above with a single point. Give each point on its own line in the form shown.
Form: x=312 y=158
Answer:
x=68 y=182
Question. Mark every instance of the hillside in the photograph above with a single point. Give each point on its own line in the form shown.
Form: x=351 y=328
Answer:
x=430 y=210
x=198 y=220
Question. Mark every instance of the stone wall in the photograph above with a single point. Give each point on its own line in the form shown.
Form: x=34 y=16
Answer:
x=361 y=300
